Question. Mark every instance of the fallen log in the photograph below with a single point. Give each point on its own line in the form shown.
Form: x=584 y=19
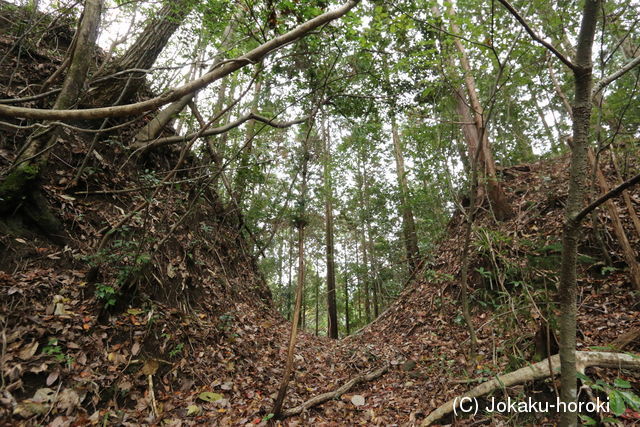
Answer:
x=321 y=398
x=584 y=359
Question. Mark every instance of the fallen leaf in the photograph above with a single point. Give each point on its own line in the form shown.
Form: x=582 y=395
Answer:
x=68 y=400
x=193 y=410
x=53 y=376
x=357 y=400
x=208 y=396
x=150 y=367
x=27 y=352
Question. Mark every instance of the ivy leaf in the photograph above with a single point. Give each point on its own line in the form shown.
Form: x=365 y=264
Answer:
x=616 y=403
x=582 y=377
x=620 y=383
x=632 y=399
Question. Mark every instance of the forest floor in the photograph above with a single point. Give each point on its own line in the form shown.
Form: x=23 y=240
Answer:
x=192 y=335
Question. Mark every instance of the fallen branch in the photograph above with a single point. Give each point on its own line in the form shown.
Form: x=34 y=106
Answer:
x=314 y=401
x=584 y=359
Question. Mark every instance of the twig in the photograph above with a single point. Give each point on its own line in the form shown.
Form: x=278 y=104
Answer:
x=321 y=398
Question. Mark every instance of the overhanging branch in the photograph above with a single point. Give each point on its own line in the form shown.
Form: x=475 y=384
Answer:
x=146 y=145
x=616 y=75
x=566 y=61
x=225 y=69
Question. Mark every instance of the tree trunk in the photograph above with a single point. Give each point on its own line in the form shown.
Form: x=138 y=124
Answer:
x=239 y=188
x=155 y=126
x=571 y=234
x=289 y=286
x=300 y=224
x=625 y=194
x=408 y=222
x=363 y=244
x=143 y=53
x=346 y=295
x=497 y=198
x=317 y=314
x=332 y=313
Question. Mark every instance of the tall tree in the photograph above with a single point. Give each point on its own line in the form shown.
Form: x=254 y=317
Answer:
x=332 y=310
x=300 y=222
x=469 y=106
x=408 y=222
x=152 y=129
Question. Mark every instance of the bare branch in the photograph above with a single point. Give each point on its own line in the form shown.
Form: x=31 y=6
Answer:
x=566 y=61
x=616 y=75
x=216 y=131
x=250 y=57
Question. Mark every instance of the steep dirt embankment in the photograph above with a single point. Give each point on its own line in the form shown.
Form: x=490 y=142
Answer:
x=173 y=302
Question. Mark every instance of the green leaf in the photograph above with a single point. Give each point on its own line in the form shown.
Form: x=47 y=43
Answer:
x=620 y=383
x=587 y=421
x=616 y=403
x=193 y=410
x=208 y=396
x=583 y=377
x=632 y=399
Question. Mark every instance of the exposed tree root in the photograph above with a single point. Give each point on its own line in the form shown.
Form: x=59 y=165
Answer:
x=321 y=398
x=584 y=359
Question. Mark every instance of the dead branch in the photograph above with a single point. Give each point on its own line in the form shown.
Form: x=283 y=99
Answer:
x=584 y=359
x=324 y=397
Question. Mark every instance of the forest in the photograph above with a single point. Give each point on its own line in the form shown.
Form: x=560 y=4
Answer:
x=319 y=212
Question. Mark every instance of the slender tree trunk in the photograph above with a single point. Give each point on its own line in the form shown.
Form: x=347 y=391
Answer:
x=366 y=279
x=317 y=314
x=358 y=279
x=625 y=194
x=618 y=229
x=245 y=155
x=408 y=222
x=360 y=235
x=300 y=225
x=280 y=273
x=155 y=126
x=571 y=234
x=332 y=310
x=497 y=198
x=346 y=292
x=143 y=53
x=289 y=287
